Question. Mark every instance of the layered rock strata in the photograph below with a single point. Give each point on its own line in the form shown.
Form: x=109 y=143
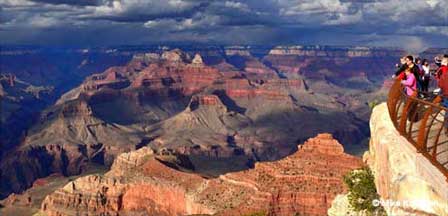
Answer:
x=140 y=183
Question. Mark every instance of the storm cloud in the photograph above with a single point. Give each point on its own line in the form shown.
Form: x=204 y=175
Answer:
x=412 y=24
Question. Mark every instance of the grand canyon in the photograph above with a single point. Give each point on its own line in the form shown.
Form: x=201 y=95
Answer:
x=185 y=130
x=224 y=108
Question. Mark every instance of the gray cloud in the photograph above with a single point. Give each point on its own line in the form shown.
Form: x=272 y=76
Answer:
x=71 y=2
x=407 y=23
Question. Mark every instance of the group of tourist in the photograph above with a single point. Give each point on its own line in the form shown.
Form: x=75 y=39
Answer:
x=415 y=75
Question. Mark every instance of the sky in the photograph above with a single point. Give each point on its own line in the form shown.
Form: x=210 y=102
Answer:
x=409 y=24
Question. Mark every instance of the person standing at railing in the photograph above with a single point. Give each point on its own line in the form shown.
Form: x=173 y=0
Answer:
x=442 y=72
x=426 y=75
x=399 y=74
x=443 y=68
x=410 y=82
x=414 y=70
x=419 y=63
x=438 y=60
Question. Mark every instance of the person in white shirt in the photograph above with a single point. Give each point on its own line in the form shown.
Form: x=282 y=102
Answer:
x=426 y=75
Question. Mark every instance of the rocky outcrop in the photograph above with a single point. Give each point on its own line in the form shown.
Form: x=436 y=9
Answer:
x=29 y=201
x=207 y=100
x=175 y=56
x=304 y=183
x=341 y=206
x=67 y=140
x=237 y=50
x=15 y=199
x=301 y=183
x=197 y=60
x=19 y=171
x=131 y=160
x=146 y=186
x=241 y=58
x=32 y=78
x=401 y=173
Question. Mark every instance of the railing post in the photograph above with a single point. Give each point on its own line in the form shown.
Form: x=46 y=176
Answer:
x=393 y=99
x=404 y=114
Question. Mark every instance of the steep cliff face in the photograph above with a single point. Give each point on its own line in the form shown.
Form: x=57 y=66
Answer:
x=401 y=173
x=66 y=142
x=140 y=183
x=19 y=101
x=41 y=76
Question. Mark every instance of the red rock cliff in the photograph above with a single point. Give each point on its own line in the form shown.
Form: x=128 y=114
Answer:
x=305 y=182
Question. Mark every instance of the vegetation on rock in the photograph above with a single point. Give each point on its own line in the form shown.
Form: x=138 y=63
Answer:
x=362 y=192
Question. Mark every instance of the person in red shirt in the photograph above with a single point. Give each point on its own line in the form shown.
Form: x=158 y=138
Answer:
x=442 y=72
x=443 y=81
x=443 y=69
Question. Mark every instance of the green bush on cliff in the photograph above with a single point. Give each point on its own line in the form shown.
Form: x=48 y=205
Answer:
x=362 y=191
x=373 y=103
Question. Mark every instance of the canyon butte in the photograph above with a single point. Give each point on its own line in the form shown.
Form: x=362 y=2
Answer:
x=197 y=130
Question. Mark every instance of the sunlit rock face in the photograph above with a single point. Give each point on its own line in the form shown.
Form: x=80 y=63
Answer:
x=401 y=173
x=341 y=206
x=140 y=182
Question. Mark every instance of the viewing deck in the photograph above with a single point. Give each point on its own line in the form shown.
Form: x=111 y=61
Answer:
x=423 y=123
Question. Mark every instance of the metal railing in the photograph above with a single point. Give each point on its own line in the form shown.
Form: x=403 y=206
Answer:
x=423 y=122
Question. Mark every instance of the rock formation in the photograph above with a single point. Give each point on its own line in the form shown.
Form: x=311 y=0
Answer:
x=243 y=60
x=175 y=56
x=197 y=60
x=169 y=101
x=401 y=173
x=140 y=183
x=32 y=78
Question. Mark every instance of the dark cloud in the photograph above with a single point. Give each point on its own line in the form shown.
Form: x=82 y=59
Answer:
x=341 y=22
x=151 y=12
x=71 y=2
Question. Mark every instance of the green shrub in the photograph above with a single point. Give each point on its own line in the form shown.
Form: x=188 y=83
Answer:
x=362 y=191
x=373 y=103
